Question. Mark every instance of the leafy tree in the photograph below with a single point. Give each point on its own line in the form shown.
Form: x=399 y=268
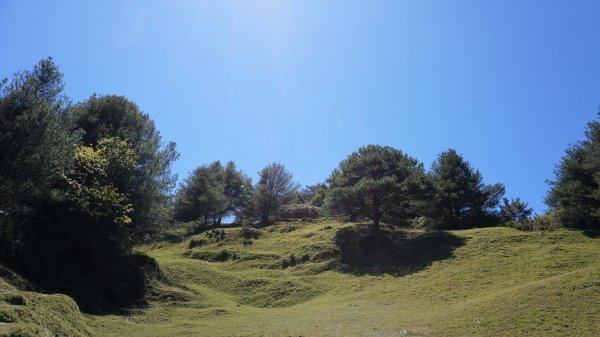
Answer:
x=376 y=181
x=35 y=146
x=314 y=194
x=212 y=192
x=92 y=190
x=515 y=210
x=575 y=192
x=461 y=194
x=274 y=189
x=149 y=184
x=201 y=195
x=238 y=191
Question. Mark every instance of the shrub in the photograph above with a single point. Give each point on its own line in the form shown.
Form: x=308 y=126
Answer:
x=299 y=211
x=249 y=233
x=424 y=223
x=196 y=243
x=547 y=221
x=305 y=258
x=293 y=260
x=7 y=317
x=15 y=299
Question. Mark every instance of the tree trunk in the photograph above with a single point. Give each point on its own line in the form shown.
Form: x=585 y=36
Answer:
x=376 y=219
x=375 y=226
x=376 y=215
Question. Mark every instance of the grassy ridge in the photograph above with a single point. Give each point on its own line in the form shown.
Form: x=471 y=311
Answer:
x=496 y=282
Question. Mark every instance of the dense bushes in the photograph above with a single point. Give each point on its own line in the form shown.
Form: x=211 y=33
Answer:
x=299 y=211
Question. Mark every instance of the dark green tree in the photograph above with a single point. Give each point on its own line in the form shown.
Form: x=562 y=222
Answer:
x=201 y=196
x=238 y=191
x=462 y=197
x=376 y=181
x=149 y=185
x=35 y=147
x=575 y=191
x=314 y=194
x=64 y=214
x=213 y=192
x=515 y=210
x=274 y=189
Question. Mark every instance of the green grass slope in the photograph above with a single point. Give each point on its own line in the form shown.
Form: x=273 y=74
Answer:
x=30 y=314
x=498 y=282
x=487 y=282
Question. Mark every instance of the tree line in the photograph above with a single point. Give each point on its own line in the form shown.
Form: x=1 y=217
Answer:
x=82 y=182
x=375 y=182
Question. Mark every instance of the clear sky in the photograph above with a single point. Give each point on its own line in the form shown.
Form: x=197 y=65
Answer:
x=509 y=84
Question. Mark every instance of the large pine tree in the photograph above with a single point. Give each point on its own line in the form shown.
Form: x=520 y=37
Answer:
x=575 y=191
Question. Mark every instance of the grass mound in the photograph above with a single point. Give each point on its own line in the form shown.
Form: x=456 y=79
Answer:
x=24 y=313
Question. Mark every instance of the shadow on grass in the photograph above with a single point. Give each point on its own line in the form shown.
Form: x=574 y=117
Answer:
x=392 y=250
x=116 y=286
x=591 y=233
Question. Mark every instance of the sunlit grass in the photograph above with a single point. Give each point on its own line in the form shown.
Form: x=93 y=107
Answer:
x=500 y=282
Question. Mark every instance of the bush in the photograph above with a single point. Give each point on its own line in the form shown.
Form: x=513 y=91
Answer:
x=216 y=234
x=214 y=256
x=299 y=211
x=196 y=243
x=305 y=258
x=15 y=299
x=547 y=221
x=424 y=223
x=7 y=317
x=294 y=261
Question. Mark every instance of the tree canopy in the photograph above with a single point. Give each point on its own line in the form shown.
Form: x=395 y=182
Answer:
x=212 y=192
x=376 y=181
x=274 y=189
x=462 y=198
x=149 y=184
x=35 y=147
x=77 y=183
x=575 y=191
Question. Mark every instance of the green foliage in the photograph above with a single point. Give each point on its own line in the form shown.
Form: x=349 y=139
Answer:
x=75 y=181
x=93 y=175
x=462 y=197
x=35 y=146
x=91 y=186
x=425 y=223
x=515 y=210
x=299 y=211
x=212 y=192
x=575 y=191
x=274 y=189
x=149 y=183
x=314 y=194
x=201 y=195
x=377 y=181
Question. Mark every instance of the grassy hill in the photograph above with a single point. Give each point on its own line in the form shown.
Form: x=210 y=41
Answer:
x=480 y=282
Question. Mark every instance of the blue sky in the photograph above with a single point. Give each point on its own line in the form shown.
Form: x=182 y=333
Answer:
x=509 y=84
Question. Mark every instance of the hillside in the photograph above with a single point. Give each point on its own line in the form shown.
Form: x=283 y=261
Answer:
x=481 y=282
